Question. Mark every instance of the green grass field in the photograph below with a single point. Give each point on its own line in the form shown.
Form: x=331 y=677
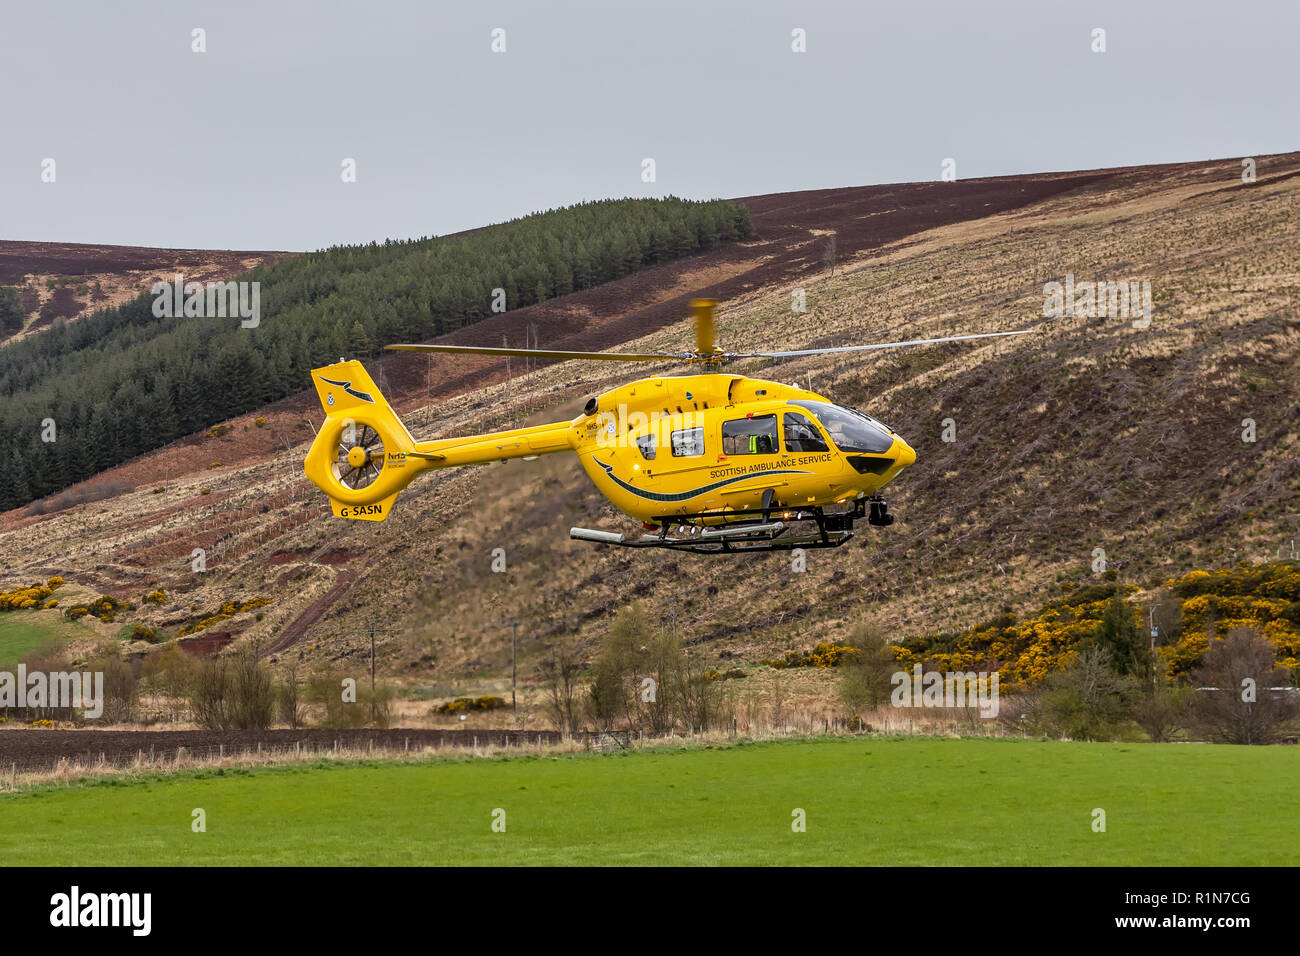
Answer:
x=867 y=800
x=22 y=632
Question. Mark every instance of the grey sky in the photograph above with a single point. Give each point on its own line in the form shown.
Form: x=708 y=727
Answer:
x=241 y=146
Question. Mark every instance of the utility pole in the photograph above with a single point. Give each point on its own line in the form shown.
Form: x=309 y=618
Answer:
x=513 y=624
x=372 y=673
x=509 y=384
x=514 y=671
x=1151 y=623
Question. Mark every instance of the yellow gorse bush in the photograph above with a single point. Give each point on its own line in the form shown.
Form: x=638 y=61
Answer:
x=1265 y=597
x=227 y=610
x=29 y=597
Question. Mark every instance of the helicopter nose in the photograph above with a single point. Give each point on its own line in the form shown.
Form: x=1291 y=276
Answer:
x=903 y=453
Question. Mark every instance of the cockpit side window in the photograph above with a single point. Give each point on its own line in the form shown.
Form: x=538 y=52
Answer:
x=688 y=443
x=851 y=431
x=802 y=435
x=755 y=435
x=648 y=445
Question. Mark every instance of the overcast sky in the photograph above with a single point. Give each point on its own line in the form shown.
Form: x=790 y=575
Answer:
x=242 y=146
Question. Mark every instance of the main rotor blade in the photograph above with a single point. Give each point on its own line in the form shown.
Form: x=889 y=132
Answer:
x=546 y=353
x=864 y=348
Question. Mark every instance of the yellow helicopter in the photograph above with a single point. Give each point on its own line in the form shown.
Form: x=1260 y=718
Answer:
x=710 y=463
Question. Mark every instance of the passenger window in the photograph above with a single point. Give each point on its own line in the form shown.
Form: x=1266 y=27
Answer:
x=648 y=445
x=802 y=435
x=750 y=436
x=688 y=443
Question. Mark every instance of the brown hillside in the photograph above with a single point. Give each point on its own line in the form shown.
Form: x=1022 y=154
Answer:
x=1089 y=434
x=68 y=279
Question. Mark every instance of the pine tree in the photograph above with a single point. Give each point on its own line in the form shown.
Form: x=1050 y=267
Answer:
x=1119 y=633
x=358 y=341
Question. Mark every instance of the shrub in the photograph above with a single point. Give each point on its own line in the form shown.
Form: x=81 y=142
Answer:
x=1243 y=709
x=734 y=674
x=1163 y=712
x=826 y=654
x=1086 y=701
x=465 y=704
x=226 y=611
x=326 y=692
x=21 y=599
x=234 y=692
x=865 y=680
x=142 y=632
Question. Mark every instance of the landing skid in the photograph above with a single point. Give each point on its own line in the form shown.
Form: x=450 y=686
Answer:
x=767 y=530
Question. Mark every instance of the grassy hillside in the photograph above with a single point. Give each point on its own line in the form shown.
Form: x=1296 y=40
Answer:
x=866 y=801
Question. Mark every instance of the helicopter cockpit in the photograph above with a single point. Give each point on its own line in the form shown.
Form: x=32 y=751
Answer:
x=852 y=431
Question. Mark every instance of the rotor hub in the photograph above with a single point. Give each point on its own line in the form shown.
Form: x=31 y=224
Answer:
x=360 y=457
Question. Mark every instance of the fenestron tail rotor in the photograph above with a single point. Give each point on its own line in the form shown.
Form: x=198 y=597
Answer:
x=706 y=350
x=360 y=457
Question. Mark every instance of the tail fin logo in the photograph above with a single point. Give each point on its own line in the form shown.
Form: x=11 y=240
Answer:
x=347 y=387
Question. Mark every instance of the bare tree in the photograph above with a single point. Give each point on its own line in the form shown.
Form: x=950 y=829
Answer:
x=560 y=671
x=1162 y=712
x=1087 y=701
x=1243 y=695
x=865 y=677
x=208 y=692
x=828 y=254
x=697 y=698
x=252 y=704
x=290 y=700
